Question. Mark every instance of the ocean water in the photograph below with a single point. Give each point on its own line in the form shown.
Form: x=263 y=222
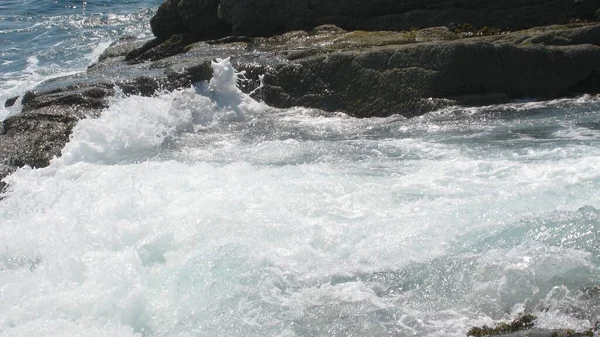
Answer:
x=41 y=39
x=202 y=212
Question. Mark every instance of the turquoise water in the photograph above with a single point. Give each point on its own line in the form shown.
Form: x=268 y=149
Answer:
x=196 y=214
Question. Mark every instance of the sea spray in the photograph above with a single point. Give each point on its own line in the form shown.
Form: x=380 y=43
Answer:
x=224 y=91
x=134 y=127
x=203 y=213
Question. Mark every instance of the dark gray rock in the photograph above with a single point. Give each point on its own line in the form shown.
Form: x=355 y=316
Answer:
x=202 y=19
x=158 y=49
x=120 y=48
x=581 y=35
x=413 y=79
x=90 y=97
x=219 y=18
x=35 y=138
x=11 y=101
x=167 y=20
x=188 y=16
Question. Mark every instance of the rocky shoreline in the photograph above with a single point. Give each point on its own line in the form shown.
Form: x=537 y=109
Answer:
x=364 y=73
x=367 y=59
x=361 y=73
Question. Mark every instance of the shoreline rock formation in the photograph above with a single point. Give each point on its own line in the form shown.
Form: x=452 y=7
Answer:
x=364 y=73
x=413 y=79
x=220 y=18
x=370 y=63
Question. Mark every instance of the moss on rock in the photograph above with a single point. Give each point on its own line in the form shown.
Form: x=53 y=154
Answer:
x=572 y=333
x=525 y=324
x=522 y=323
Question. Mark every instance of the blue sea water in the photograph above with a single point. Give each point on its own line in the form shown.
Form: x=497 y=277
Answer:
x=188 y=214
x=44 y=38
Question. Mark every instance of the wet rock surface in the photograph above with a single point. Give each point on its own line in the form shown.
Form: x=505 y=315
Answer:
x=523 y=326
x=359 y=72
x=416 y=78
x=11 y=101
x=368 y=74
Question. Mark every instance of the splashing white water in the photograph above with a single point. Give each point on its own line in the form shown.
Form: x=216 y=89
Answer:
x=203 y=213
x=133 y=128
x=223 y=90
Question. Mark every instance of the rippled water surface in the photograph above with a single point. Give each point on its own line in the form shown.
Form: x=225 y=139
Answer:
x=204 y=213
x=40 y=39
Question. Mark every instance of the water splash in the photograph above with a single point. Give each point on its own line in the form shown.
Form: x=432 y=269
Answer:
x=224 y=91
x=134 y=128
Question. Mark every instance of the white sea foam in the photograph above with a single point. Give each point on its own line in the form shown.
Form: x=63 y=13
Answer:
x=134 y=128
x=204 y=213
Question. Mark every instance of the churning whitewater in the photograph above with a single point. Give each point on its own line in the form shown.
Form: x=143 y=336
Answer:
x=204 y=213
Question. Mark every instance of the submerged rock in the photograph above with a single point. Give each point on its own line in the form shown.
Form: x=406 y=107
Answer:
x=524 y=327
x=11 y=101
x=524 y=322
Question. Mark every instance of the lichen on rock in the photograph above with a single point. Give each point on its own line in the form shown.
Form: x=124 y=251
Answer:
x=524 y=322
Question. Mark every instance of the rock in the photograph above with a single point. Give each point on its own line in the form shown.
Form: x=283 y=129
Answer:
x=574 y=36
x=524 y=322
x=401 y=79
x=545 y=333
x=34 y=139
x=89 y=97
x=167 y=21
x=220 y=18
x=523 y=327
x=187 y=16
x=120 y=48
x=202 y=19
x=158 y=49
x=4 y=171
x=11 y=101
